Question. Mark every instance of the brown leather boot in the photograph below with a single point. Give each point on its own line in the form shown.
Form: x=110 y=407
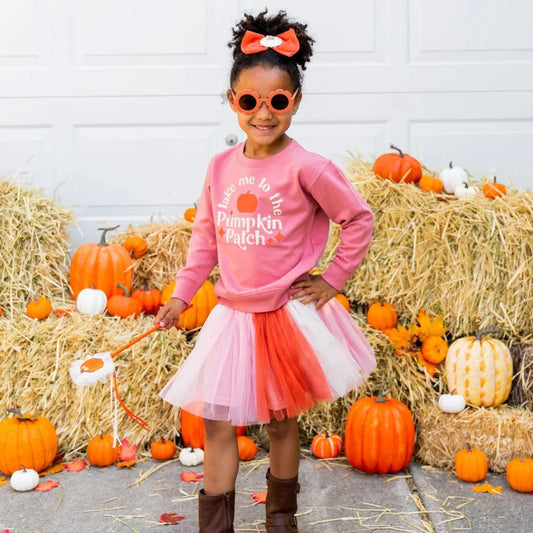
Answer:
x=215 y=513
x=281 y=504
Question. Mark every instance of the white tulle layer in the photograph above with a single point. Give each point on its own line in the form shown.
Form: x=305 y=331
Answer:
x=218 y=379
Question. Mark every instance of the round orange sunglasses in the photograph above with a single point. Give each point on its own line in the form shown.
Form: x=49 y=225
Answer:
x=279 y=101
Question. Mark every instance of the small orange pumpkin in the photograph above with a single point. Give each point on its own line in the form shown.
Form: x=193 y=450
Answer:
x=39 y=308
x=190 y=213
x=431 y=184
x=492 y=189
x=101 y=451
x=193 y=430
x=382 y=315
x=136 y=246
x=344 y=301
x=150 y=299
x=247 y=448
x=519 y=474
x=163 y=449
x=124 y=306
x=471 y=464
x=434 y=349
x=398 y=167
x=28 y=440
x=326 y=445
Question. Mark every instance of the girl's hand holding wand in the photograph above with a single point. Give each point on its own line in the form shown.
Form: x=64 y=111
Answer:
x=168 y=316
x=315 y=289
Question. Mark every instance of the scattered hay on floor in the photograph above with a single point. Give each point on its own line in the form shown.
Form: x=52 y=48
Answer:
x=469 y=261
x=166 y=252
x=522 y=387
x=502 y=433
x=33 y=247
x=35 y=358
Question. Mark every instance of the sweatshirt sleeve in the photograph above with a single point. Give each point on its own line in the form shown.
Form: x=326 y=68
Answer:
x=341 y=202
x=202 y=252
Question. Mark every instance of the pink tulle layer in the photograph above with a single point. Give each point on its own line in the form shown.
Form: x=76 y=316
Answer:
x=250 y=368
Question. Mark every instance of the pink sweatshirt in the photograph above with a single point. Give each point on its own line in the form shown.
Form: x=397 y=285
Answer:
x=266 y=223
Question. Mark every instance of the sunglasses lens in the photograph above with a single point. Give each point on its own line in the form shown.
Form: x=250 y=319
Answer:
x=280 y=102
x=247 y=102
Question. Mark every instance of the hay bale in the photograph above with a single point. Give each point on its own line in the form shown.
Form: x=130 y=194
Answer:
x=469 y=261
x=522 y=388
x=502 y=433
x=35 y=358
x=33 y=247
x=167 y=245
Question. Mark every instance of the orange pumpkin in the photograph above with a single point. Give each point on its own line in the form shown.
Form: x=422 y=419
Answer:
x=380 y=435
x=519 y=474
x=28 y=440
x=491 y=189
x=247 y=448
x=193 y=430
x=124 y=306
x=201 y=305
x=344 y=301
x=102 y=450
x=382 y=315
x=247 y=203
x=471 y=464
x=100 y=266
x=39 y=308
x=326 y=445
x=163 y=449
x=136 y=246
x=190 y=213
x=150 y=299
x=434 y=349
x=398 y=167
x=431 y=184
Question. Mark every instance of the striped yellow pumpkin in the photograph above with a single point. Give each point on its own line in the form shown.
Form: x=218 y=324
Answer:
x=480 y=369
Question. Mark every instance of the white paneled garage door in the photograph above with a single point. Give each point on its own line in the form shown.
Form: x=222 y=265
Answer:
x=114 y=107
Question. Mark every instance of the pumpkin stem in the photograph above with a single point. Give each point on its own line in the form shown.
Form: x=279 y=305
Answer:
x=485 y=332
x=14 y=411
x=381 y=398
x=468 y=447
x=396 y=148
x=104 y=231
x=326 y=434
x=451 y=165
x=192 y=449
x=125 y=289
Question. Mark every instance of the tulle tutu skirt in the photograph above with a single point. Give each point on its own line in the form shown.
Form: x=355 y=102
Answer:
x=250 y=368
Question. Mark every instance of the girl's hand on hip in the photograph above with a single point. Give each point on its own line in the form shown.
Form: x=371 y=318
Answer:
x=168 y=315
x=315 y=289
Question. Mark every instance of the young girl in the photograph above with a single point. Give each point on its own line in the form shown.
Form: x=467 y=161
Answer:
x=278 y=341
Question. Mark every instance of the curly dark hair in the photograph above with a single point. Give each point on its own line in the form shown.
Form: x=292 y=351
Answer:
x=271 y=25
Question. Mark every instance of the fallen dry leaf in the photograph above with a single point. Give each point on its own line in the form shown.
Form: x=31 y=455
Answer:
x=189 y=477
x=259 y=497
x=53 y=469
x=170 y=518
x=3 y=481
x=76 y=465
x=487 y=487
x=46 y=486
x=126 y=464
x=126 y=451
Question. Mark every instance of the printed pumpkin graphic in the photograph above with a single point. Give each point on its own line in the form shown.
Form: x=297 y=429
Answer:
x=247 y=202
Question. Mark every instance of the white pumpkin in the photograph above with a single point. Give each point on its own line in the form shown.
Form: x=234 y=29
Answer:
x=23 y=480
x=452 y=403
x=91 y=302
x=452 y=177
x=191 y=456
x=465 y=191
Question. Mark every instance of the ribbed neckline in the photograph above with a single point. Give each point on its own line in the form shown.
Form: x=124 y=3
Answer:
x=259 y=163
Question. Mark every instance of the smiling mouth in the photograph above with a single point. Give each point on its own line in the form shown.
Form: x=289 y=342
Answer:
x=263 y=128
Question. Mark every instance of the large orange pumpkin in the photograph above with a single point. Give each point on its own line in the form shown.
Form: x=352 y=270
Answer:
x=28 y=440
x=380 y=435
x=193 y=430
x=398 y=167
x=100 y=266
x=201 y=305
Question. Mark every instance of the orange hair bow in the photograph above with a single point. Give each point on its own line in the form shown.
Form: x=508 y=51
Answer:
x=285 y=43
